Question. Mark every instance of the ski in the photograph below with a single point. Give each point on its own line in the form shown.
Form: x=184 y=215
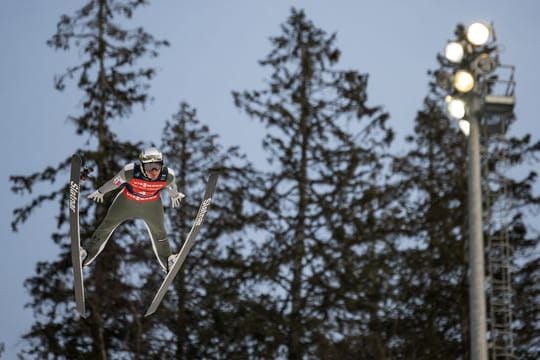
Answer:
x=74 y=192
x=188 y=244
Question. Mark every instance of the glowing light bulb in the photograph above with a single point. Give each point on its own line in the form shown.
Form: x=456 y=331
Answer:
x=454 y=52
x=465 y=127
x=478 y=33
x=455 y=107
x=463 y=81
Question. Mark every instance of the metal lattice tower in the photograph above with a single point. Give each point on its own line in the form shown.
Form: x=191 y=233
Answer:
x=497 y=222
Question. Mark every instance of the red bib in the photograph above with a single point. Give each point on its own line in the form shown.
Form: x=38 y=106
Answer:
x=142 y=189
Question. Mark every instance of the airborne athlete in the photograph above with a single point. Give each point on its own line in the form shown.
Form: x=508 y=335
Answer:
x=139 y=199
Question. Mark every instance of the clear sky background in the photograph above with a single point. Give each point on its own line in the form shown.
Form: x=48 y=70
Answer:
x=215 y=46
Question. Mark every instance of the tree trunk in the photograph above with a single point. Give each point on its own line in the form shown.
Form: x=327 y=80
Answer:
x=295 y=349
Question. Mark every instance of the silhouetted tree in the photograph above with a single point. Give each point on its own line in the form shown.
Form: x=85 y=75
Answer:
x=320 y=264
x=431 y=318
x=112 y=86
x=204 y=311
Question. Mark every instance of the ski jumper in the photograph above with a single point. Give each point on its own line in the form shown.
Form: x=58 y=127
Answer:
x=139 y=199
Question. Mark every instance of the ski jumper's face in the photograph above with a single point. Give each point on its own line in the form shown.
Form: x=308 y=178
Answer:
x=153 y=174
x=153 y=170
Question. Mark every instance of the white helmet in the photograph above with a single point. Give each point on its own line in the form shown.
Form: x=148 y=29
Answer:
x=150 y=155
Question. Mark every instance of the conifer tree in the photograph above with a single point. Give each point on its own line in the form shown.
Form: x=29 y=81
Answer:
x=323 y=193
x=112 y=85
x=433 y=290
x=203 y=310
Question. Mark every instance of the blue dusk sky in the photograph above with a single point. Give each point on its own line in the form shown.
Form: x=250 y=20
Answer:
x=215 y=48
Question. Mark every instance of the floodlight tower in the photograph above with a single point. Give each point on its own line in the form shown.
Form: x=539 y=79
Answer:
x=473 y=56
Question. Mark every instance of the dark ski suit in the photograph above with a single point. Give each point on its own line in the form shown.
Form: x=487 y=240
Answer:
x=139 y=199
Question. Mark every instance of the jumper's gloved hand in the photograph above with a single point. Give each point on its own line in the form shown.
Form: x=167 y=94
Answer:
x=175 y=199
x=96 y=196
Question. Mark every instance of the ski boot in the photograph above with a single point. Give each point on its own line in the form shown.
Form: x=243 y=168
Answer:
x=170 y=261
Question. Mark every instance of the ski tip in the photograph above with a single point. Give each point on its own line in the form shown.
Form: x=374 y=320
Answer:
x=213 y=177
x=216 y=169
x=76 y=160
x=149 y=312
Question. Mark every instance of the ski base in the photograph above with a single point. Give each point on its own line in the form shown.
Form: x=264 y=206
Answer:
x=74 y=193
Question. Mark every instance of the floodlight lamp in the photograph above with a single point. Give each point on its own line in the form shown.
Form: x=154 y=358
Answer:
x=464 y=126
x=484 y=64
x=455 y=107
x=454 y=52
x=463 y=81
x=478 y=34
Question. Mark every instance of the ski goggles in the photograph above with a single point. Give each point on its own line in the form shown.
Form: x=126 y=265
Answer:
x=152 y=166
